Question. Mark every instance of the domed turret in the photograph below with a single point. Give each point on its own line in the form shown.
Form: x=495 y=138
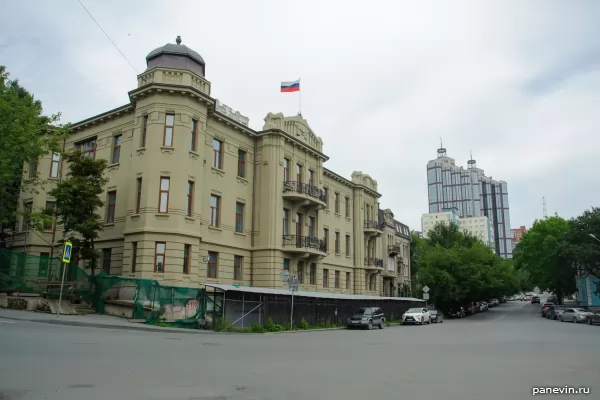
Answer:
x=176 y=56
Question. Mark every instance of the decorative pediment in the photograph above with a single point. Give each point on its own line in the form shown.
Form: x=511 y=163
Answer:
x=296 y=127
x=363 y=179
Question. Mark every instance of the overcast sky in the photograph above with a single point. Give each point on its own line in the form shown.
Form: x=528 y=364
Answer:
x=518 y=83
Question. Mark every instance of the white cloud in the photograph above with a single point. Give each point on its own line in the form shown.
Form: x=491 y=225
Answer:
x=516 y=82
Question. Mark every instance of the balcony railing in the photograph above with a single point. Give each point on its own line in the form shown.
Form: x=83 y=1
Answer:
x=304 y=242
x=303 y=188
x=374 y=225
x=376 y=262
x=394 y=249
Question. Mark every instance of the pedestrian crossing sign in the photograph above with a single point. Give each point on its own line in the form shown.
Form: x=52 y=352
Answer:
x=67 y=252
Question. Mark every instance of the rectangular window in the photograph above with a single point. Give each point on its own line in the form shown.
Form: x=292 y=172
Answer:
x=87 y=148
x=325 y=277
x=163 y=203
x=337 y=243
x=138 y=195
x=194 y=136
x=347 y=280
x=313 y=274
x=241 y=163
x=286 y=222
x=49 y=211
x=187 y=254
x=326 y=238
x=116 y=156
x=217 y=154
x=326 y=190
x=214 y=210
x=347 y=207
x=311 y=178
x=300 y=272
x=54 y=165
x=160 y=256
x=43 y=265
x=337 y=202
x=189 y=206
x=106 y=256
x=144 y=131
x=239 y=217
x=299 y=223
x=299 y=173
x=311 y=227
x=286 y=170
x=286 y=264
x=169 y=127
x=211 y=266
x=337 y=279
x=348 y=245
x=133 y=256
x=27 y=207
x=33 y=170
x=110 y=207
x=237 y=268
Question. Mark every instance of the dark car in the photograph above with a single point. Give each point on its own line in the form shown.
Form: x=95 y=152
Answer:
x=457 y=312
x=436 y=316
x=366 y=318
x=535 y=299
x=554 y=311
x=594 y=318
x=545 y=308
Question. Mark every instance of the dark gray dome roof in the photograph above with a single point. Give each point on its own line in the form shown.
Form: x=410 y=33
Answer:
x=176 y=56
x=176 y=49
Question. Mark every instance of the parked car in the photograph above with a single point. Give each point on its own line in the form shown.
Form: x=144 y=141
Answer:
x=456 y=312
x=575 y=314
x=535 y=300
x=594 y=318
x=484 y=306
x=436 y=316
x=554 y=311
x=545 y=308
x=469 y=309
x=366 y=318
x=552 y=299
x=416 y=316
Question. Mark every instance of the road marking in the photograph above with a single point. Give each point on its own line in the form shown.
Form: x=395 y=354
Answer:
x=492 y=320
x=6 y=322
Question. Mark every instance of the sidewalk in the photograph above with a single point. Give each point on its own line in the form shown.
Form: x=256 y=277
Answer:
x=92 y=321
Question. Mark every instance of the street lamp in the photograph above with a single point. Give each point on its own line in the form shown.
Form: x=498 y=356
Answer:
x=594 y=237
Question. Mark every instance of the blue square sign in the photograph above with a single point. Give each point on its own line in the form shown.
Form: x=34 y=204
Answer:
x=67 y=252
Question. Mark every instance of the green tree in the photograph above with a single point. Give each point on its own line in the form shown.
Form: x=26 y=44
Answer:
x=546 y=255
x=77 y=202
x=26 y=136
x=583 y=238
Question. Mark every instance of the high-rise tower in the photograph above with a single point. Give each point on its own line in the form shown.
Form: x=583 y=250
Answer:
x=473 y=195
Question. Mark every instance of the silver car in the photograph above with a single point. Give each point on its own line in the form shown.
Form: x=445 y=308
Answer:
x=575 y=314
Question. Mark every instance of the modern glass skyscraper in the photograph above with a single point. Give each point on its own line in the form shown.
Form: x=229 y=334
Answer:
x=473 y=195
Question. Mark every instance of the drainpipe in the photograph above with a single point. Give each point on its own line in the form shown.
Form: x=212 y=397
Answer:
x=253 y=212
x=60 y=175
x=354 y=223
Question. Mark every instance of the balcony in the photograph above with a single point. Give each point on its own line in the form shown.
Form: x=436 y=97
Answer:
x=373 y=228
x=302 y=192
x=373 y=263
x=304 y=246
x=394 y=249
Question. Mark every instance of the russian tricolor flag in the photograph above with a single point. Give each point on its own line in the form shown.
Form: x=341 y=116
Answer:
x=293 y=86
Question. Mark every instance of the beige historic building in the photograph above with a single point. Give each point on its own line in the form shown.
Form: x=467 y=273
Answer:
x=195 y=195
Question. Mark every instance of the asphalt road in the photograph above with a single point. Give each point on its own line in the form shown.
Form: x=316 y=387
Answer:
x=501 y=354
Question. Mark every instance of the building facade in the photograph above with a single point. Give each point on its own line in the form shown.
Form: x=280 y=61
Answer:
x=480 y=227
x=516 y=235
x=195 y=195
x=473 y=194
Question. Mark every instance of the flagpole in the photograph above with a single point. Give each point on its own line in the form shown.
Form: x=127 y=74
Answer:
x=299 y=98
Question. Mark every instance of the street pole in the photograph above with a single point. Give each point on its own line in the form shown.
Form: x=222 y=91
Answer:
x=292 y=312
x=62 y=283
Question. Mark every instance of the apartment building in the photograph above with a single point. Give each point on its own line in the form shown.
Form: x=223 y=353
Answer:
x=481 y=227
x=195 y=195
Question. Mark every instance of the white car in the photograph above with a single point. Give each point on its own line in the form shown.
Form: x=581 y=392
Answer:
x=416 y=316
